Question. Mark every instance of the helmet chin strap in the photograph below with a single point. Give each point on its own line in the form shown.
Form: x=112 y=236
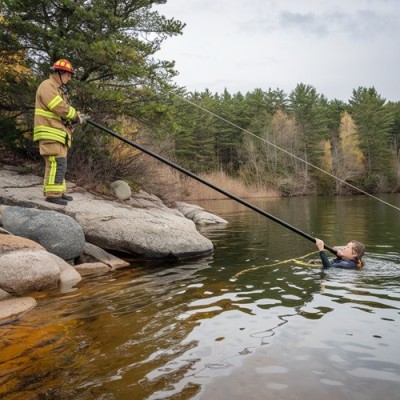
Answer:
x=63 y=86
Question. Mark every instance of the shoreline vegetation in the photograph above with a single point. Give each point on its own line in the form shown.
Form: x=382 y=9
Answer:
x=174 y=186
x=198 y=191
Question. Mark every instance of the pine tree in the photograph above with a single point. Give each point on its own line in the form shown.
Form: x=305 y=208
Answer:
x=110 y=44
x=374 y=122
x=308 y=109
x=395 y=131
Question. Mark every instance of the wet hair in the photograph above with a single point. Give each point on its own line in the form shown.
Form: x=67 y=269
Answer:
x=358 y=250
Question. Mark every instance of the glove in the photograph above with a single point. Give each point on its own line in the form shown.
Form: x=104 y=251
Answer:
x=83 y=118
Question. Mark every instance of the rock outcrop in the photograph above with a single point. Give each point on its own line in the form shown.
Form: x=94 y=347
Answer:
x=96 y=261
x=153 y=232
x=142 y=225
x=198 y=214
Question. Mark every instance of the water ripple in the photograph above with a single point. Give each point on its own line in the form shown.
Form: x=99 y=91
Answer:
x=169 y=332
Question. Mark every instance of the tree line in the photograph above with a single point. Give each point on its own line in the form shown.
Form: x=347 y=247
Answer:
x=290 y=140
x=263 y=137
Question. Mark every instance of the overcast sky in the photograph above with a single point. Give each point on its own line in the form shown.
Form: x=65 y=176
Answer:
x=334 y=45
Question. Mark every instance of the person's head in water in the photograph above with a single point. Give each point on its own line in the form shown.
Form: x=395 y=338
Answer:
x=348 y=256
x=353 y=250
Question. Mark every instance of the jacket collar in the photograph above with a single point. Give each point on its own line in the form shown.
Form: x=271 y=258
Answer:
x=56 y=78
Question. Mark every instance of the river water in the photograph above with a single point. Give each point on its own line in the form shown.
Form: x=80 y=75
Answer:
x=255 y=320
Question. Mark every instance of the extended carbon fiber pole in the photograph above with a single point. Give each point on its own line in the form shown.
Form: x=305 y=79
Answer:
x=209 y=184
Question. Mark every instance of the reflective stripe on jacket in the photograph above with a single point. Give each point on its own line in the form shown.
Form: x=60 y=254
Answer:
x=52 y=110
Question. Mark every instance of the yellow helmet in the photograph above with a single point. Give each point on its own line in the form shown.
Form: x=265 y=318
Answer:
x=63 y=65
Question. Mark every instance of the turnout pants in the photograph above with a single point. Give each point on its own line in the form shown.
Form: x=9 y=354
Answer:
x=55 y=158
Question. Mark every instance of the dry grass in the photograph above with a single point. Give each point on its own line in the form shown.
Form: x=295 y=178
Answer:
x=195 y=190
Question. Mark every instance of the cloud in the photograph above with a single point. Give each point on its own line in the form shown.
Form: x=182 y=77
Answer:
x=335 y=46
x=305 y=23
x=357 y=24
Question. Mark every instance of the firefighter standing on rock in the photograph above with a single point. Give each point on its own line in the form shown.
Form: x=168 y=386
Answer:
x=53 y=129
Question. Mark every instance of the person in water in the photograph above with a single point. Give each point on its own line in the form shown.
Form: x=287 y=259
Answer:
x=348 y=257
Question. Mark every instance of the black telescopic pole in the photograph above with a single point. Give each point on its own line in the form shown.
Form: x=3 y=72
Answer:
x=209 y=184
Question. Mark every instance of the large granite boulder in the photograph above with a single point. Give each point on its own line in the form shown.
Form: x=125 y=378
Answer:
x=25 y=266
x=152 y=232
x=57 y=233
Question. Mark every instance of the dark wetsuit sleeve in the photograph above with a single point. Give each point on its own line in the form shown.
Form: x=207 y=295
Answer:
x=337 y=262
x=325 y=261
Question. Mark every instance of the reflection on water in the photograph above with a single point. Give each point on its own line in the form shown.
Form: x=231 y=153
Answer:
x=253 y=321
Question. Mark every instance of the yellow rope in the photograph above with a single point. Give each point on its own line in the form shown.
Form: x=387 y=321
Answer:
x=297 y=261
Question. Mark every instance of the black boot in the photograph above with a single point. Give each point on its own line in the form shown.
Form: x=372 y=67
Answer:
x=57 y=200
x=67 y=197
